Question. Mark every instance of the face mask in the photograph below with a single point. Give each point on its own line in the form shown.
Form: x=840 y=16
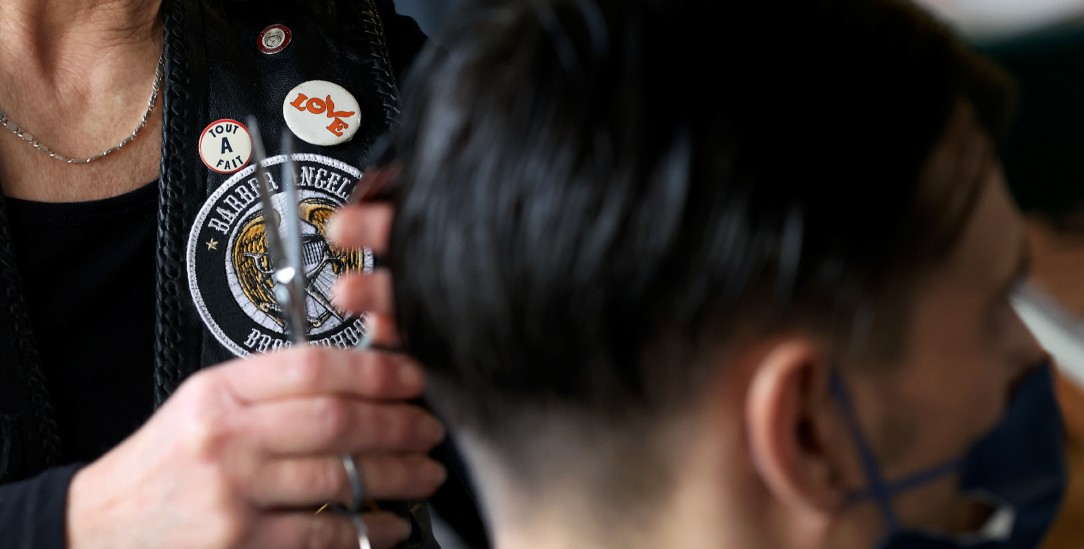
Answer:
x=1019 y=467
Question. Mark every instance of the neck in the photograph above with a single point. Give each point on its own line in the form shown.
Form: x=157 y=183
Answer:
x=689 y=517
x=77 y=75
x=55 y=38
x=705 y=500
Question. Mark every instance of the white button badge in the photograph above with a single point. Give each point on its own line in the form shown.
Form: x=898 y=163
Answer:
x=225 y=146
x=322 y=113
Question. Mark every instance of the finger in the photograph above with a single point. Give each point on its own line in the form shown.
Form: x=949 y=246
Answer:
x=362 y=225
x=356 y=293
x=385 y=529
x=377 y=184
x=291 y=530
x=311 y=370
x=383 y=330
x=309 y=481
x=331 y=425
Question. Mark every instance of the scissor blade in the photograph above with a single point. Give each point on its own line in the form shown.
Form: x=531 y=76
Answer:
x=295 y=285
x=288 y=273
x=272 y=240
x=291 y=224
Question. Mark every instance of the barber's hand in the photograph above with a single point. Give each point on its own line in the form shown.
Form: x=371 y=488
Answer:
x=366 y=225
x=244 y=453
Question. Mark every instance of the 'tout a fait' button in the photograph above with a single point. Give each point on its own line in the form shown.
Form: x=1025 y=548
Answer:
x=322 y=113
x=225 y=146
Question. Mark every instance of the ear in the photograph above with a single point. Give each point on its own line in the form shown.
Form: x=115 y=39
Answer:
x=790 y=426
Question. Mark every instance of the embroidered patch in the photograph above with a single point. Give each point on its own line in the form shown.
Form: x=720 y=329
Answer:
x=229 y=271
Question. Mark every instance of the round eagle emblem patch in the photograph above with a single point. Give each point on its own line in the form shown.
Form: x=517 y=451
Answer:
x=230 y=272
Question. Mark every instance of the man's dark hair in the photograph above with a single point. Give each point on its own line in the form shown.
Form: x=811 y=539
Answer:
x=599 y=196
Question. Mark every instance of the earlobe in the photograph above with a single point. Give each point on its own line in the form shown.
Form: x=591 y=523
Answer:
x=788 y=443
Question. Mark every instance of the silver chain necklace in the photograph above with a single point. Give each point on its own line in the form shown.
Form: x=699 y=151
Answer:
x=33 y=141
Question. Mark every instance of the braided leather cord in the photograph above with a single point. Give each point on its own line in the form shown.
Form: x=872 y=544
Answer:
x=177 y=334
x=380 y=62
x=27 y=361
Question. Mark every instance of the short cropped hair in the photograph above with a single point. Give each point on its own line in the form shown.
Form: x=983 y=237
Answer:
x=599 y=195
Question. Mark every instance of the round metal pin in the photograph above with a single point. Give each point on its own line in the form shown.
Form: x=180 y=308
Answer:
x=274 y=39
x=225 y=146
x=321 y=113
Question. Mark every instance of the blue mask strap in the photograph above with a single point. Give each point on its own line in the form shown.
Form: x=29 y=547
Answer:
x=877 y=488
x=911 y=481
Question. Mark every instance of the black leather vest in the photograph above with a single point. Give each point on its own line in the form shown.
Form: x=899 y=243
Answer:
x=213 y=70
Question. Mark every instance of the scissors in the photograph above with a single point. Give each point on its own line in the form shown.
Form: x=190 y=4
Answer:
x=282 y=239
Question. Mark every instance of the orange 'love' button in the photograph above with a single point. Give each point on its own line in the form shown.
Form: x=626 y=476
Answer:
x=321 y=113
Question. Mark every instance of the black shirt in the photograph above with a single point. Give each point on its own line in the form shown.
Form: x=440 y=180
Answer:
x=88 y=279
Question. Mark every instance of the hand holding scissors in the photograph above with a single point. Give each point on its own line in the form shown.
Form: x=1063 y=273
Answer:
x=244 y=452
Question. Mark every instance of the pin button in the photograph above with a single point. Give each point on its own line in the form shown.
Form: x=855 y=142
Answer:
x=321 y=113
x=274 y=39
x=225 y=146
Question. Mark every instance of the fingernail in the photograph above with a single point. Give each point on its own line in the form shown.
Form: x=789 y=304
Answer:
x=369 y=334
x=434 y=473
x=409 y=375
x=374 y=182
x=431 y=429
x=332 y=228
x=336 y=295
x=374 y=185
x=360 y=187
x=404 y=528
x=371 y=182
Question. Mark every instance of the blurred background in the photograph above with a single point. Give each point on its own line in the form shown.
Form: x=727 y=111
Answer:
x=428 y=13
